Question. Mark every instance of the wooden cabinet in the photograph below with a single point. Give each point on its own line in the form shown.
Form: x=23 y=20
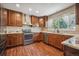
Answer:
x=34 y=20
x=38 y=37
x=11 y=21
x=41 y=36
x=11 y=40
x=19 y=39
x=56 y=39
x=69 y=51
x=53 y=39
x=4 y=17
x=18 y=19
x=77 y=13
x=14 y=18
x=14 y=39
x=41 y=22
x=35 y=37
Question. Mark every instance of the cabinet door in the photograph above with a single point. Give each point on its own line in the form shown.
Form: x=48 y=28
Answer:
x=11 y=20
x=11 y=40
x=55 y=40
x=41 y=36
x=38 y=37
x=14 y=40
x=18 y=19
x=52 y=39
x=3 y=17
x=58 y=42
x=19 y=39
x=34 y=20
x=5 y=13
x=35 y=37
x=41 y=22
x=14 y=18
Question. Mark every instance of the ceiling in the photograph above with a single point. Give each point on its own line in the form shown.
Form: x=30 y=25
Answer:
x=44 y=9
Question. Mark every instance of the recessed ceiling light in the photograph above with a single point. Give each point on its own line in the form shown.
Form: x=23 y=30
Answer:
x=37 y=11
x=17 y=5
x=30 y=9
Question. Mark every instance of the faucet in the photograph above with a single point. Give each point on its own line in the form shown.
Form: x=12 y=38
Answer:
x=57 y=31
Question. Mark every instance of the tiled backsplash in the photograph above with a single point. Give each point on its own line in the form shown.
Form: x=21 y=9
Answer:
x=13 y=29
x=36 y=29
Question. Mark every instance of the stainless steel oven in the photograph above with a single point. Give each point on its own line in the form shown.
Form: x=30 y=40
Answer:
x=28 y=38
x=28 y=35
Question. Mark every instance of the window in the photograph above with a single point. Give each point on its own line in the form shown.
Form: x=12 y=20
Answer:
x=66 y=21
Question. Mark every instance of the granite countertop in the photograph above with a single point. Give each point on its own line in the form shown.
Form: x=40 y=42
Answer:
x=71 y=42
x=71 y=34
x=2 y=33
x=66 y=42
x=15 y=33
x=12 y=33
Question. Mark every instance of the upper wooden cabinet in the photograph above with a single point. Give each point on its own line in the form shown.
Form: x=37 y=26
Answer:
x=34 y=20
x=11 y=21
x=42 y=21
x=14 y=18
x=18 y=19
x=39 y=21
x=4 y=17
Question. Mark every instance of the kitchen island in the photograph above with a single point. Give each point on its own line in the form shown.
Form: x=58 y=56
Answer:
x=71 y=46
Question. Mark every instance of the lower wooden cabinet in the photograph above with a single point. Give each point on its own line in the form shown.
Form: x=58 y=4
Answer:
x=14 y=40
x=69 y=51
x=56 y=39
x=38 y=37
x=19 y=39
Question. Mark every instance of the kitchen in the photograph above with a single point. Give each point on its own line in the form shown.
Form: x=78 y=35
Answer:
x=45 y=29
